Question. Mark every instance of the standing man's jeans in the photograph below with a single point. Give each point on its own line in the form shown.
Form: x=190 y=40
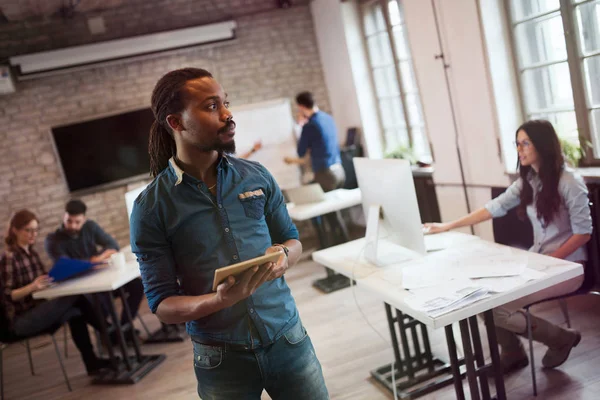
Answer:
x=287 y=370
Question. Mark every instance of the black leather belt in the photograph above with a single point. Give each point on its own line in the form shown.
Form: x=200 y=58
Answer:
x=214 y=343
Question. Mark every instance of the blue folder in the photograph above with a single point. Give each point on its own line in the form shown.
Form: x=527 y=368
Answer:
x=66 y=268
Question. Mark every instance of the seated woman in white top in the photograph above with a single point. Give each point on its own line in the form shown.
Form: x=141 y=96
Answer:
x=555 y=200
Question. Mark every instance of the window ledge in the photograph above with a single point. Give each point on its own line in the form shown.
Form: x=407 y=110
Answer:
x=589 y=174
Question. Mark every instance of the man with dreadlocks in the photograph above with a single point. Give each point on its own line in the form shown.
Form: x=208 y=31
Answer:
x=205 y=210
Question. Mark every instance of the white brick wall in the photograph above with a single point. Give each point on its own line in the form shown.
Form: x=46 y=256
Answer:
x=274 y=56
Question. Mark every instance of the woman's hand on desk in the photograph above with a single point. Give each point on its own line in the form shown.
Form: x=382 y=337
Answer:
x=433 y=228
x=235 y=289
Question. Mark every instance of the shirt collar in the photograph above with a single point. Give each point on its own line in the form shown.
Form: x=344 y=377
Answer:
x=223 y=161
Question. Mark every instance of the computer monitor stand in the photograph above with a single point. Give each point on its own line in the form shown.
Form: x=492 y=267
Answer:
x=394 y=252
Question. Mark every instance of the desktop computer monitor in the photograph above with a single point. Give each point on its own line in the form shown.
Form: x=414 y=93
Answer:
x=391 y=209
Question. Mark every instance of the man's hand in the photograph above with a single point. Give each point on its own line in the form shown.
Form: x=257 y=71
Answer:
x=41 y=282
x=281 y=265
x=233 y=290
x=301 y=119
x=105 y=255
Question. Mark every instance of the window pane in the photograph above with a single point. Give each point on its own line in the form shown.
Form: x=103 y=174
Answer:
x=380 y=51
x=386 y=83
x=522 y=9
x=391 y=140
x=548 y=88
x=395 y=138
x=373 y=20
x=541 y=40
x=421 y=145
x=399 y=33
x=408 y=77
x=565 y=124
x=391 y=113
x=592 y=77
x=588 y=19
x=414 y=109
x=595 y=117
x=396 y=12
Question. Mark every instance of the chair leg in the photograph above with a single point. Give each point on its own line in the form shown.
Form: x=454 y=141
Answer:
x=531 y=359
x=1 y=373
x=65 y=340
x=99 y=347
x=565 y=311
x=30 y=358
x=60 y=361
x=148 y=334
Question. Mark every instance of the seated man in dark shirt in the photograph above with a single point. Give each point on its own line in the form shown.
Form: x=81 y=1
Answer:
x=83 y=239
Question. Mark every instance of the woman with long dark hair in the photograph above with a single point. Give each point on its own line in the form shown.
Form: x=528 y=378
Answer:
x=555 y=200
x=21 y=274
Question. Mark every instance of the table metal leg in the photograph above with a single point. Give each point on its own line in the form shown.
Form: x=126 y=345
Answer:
x=135 y=367
x=495 y=355
x=469 y=359
x=104 y=332
x=412 y=379
x=119 y=331
x=134 y=336
x=454 y=365
x=479 y=359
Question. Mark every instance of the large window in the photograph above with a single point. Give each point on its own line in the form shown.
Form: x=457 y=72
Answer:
x=394 y=80
x=557 y=49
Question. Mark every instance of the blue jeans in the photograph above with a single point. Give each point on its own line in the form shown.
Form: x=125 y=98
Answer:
x=287 y=370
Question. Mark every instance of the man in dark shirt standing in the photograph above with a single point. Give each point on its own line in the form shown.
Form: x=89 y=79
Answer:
x=80 y=238
x=203 y=211
x=319 y=135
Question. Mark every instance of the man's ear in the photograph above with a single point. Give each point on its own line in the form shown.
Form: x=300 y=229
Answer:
x=175 y=123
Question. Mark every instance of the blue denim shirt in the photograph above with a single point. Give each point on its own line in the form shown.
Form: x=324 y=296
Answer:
x=181 y=234
x=319 y=135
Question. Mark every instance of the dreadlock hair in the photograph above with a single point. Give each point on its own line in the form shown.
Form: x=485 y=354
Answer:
x=167 y=98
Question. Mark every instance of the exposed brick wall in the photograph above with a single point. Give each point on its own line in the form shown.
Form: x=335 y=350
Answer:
x=274 y=56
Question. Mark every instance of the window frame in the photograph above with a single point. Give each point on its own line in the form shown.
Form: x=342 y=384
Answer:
x=396 y=60
x=575 y=62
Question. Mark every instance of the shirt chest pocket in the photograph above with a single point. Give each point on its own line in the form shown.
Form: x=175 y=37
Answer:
x=253 y=203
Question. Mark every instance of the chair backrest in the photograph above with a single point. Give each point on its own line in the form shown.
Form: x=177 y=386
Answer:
x=510 y=230
x=592 y=269
x=6 y=336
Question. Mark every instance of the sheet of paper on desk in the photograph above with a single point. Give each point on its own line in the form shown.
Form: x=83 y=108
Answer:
x=450 y=296
x=504 y=284
x=418 y=276
x=445 y=241
x=492 y=267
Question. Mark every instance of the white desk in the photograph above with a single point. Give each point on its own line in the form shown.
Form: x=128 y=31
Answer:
x=106 y=279
x=347 y=259
x=335 y=200
x=101 y=279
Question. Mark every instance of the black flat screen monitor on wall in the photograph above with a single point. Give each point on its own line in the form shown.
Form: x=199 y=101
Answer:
x=104 y=152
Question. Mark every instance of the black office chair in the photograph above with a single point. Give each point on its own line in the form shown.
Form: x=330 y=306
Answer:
x=589 y=286
x=8 y=337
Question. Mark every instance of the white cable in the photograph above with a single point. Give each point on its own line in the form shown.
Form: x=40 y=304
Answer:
x=353 y=286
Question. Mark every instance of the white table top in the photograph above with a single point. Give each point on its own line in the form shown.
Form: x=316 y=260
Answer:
x=335 y=200
x=348 y=259
x=101 y=279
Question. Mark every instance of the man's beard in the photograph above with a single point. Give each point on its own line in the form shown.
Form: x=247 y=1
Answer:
x=220 y=147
